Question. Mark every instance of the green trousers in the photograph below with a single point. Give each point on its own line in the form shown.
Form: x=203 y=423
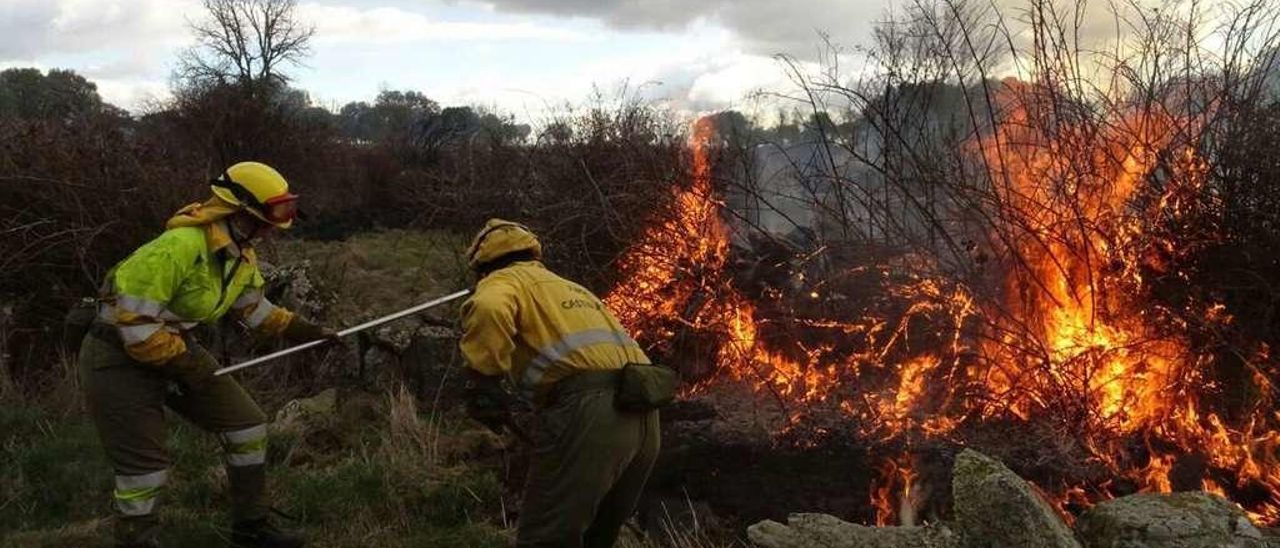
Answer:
x=589 y=466
x=126 y=400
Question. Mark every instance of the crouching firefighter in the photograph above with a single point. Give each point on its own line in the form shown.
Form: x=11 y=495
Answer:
x=593 y=389
x=139 y=356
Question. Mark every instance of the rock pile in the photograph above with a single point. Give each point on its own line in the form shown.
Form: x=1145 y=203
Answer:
x=994 y=508
x=1178 y=520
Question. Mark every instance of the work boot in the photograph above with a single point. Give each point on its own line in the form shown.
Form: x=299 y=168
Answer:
x=137 y=532
x=261 y=533
x=248 y=485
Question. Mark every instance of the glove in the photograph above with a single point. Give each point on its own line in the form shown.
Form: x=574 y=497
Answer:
x=301 y=331
x=193 y=368
x=487 y=403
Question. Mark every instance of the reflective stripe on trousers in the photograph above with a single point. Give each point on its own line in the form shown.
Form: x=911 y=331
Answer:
x=136 y=495
x=246 y=447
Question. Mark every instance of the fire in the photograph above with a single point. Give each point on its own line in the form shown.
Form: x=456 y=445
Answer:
x=1060 y=342
x=676 y=278
x=1156 y=474
x=1123 y=376
x=1088 y=343
x=680 y=261
x=893 y=499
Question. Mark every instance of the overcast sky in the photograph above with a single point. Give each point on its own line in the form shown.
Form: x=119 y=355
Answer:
x=519 y=55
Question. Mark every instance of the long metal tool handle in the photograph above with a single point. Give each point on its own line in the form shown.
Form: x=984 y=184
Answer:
x=348 y=331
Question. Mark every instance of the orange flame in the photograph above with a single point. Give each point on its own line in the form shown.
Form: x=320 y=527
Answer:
x=893 y=499
x=1064 y=340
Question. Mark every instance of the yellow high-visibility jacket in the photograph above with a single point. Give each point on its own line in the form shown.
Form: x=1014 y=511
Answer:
x=182 y=278
x=526 y=322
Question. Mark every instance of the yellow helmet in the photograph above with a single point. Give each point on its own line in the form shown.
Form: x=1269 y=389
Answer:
x=499 y=238
x=260 y=190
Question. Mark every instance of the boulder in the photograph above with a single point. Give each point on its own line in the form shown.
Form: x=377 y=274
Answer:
x=824 y=531
x=320 y=405
x=294 y=286
x=1178 y=520
x=997 y=509
x=1271 y=537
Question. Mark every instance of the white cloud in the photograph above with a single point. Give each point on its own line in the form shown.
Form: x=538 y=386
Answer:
x=736 y=78
x=391 y=25
x=132 y=94
x=31 y=27
x=687 y=83
x=764 y=27
x=123 y=46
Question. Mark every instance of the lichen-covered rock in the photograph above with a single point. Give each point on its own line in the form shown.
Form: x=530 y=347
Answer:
x=997 y=509
x=320 y=405
x=824 y=531
x=1270 y=537
x=1178 y=520
x=294 y=287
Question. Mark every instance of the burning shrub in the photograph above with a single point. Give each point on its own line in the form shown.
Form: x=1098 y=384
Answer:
x=1034 y=266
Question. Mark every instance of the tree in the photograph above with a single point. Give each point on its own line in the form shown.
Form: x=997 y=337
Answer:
x=393 y=116
x=58 y=95
x=232 y=93
x=559 y=132
x=732 y=125
x=397 y=113
x=452 y=125
x=245 y=42
x=501 y=130
x=357 y=121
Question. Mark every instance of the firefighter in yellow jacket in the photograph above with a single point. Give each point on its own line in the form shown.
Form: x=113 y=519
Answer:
x=139 y=356
x=560 y=346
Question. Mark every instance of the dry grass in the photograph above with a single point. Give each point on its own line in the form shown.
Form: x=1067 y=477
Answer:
x=681 y=539
x=378 y=273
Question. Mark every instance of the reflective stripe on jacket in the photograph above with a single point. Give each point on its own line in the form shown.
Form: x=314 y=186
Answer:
x=176 y=281
x=526 y=322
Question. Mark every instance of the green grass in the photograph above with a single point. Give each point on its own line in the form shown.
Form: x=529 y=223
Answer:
x=49 y=467
x=344 y=488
